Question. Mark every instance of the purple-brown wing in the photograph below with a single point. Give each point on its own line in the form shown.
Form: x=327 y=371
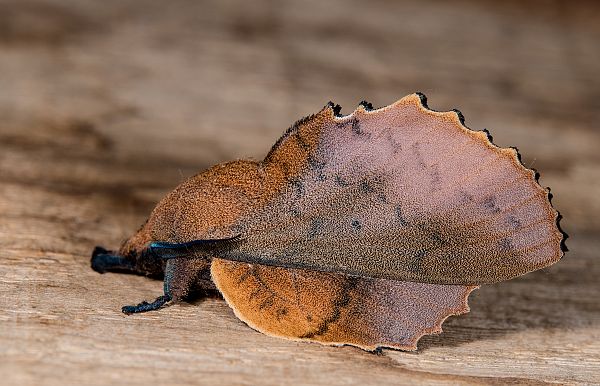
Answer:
x=336 y=309
x=401 y=193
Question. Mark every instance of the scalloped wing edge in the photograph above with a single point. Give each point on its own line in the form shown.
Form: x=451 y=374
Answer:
x=458 y=119
x=516 y=154
x=435 y=329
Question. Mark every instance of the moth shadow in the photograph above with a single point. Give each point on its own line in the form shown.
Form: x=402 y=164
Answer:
x=552 y=299
x=197 y=296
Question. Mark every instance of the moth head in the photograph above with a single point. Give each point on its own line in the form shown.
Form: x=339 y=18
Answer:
x=136 y=250
x=160 y=226
x=205 y=207
x=135 y=254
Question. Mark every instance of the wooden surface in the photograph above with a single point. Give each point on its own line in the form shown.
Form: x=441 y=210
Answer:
x=106 y=106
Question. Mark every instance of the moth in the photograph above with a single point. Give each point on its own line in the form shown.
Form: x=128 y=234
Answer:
x=368 y=229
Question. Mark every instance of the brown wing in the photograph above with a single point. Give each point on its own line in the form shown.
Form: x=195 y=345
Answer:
x=401 y=193
x=334 y=308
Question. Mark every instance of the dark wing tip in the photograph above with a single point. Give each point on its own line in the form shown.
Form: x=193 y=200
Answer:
x=489 y=137
x=423 y=99
x=461 y=118
x=366 y=105
x=559 y=217
x=337 y=109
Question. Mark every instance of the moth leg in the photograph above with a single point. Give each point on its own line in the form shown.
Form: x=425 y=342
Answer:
x=181 y=277
x=145 y=306
x=105 y=261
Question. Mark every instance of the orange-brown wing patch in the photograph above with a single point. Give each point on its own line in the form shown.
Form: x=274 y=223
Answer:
x=336 y=309
x=293 y=153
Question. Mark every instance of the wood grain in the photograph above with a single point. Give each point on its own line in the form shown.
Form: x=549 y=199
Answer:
x=106 y=106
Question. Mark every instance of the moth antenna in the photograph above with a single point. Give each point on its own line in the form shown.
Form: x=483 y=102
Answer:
x=167 y=251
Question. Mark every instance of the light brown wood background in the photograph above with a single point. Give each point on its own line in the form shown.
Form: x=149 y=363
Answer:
x=106 y=105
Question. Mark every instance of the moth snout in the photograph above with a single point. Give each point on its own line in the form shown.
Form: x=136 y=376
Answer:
x=104 y=260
